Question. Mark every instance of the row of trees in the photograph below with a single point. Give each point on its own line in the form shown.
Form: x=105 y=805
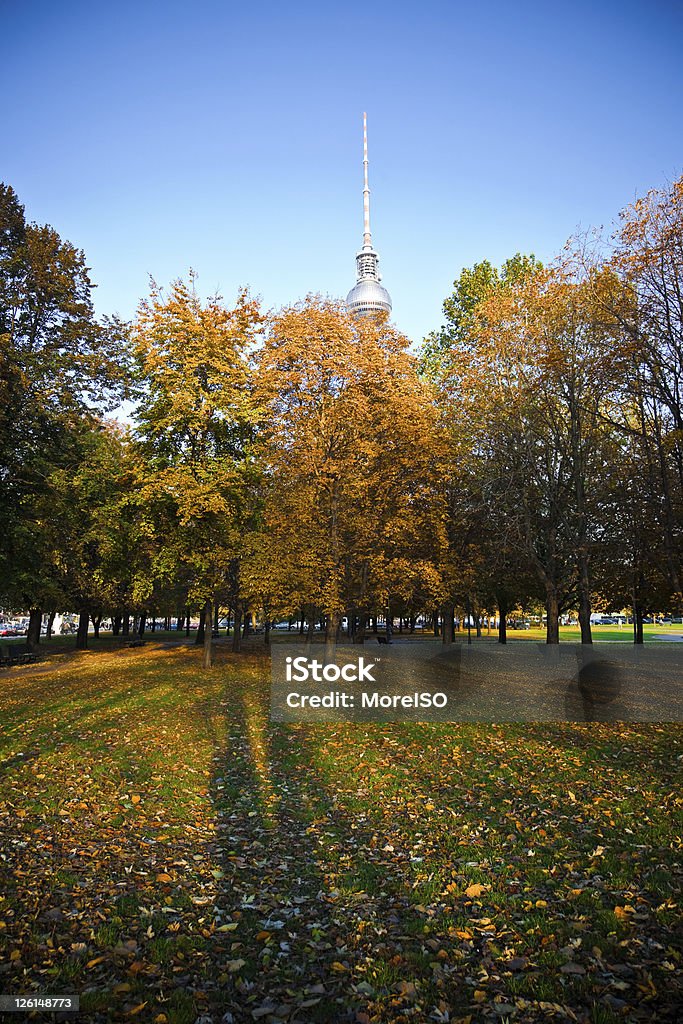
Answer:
x=306 y=461
x=562 y=389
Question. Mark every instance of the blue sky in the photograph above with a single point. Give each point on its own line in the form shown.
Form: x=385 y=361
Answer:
x=227 y=137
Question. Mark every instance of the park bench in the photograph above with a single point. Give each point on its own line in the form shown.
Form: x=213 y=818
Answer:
x=10 y=657
x=136 y=643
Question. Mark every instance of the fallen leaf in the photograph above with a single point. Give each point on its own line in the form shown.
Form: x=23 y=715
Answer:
x=406 y=988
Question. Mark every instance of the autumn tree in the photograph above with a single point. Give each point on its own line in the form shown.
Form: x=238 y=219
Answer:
x=348 y=449
x=194 y=432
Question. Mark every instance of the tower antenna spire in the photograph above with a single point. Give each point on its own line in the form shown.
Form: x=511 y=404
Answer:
x=367 y=237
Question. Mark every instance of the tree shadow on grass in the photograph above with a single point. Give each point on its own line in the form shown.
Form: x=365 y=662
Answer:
x=278 y=949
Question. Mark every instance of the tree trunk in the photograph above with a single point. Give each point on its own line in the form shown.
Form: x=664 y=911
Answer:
x=448 y=614
x=35 y=618
x=180 y=624
x=359 y=637
x=187 y=621
x=552 y=608
x=207 y=658
x=116 y=625
x=50 y=623
x=125 y=625
x=435 y=621
x=216 y=616
x=637 y=622
x=142 y=623
x=82 y=632
x=584 y=600
x=332 y=634
x=237 y=632
x=199 y=639
x=96 y=623
x=502 y=623
x=154 y=623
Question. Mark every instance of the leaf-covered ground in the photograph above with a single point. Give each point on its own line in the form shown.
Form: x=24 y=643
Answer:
x=171 y=856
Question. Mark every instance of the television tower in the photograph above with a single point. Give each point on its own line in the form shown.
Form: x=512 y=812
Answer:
x=367 y=295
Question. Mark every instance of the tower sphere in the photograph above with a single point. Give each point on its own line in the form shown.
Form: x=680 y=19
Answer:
x=368 y=296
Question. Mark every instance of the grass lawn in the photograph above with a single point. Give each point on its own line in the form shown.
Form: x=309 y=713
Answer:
x=169 y=855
